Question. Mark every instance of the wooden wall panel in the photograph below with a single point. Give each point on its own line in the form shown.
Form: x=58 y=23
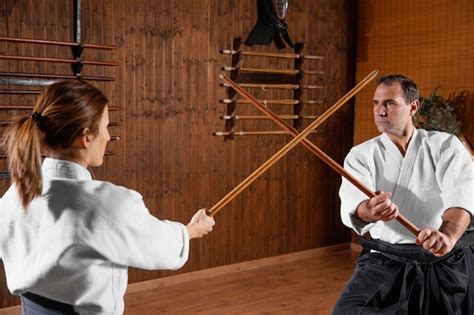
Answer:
x=167 y=84
x=429 y=41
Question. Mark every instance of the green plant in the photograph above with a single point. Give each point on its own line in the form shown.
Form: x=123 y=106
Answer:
x=437 y=113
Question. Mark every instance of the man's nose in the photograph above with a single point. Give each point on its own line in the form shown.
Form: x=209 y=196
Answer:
x=380 y=111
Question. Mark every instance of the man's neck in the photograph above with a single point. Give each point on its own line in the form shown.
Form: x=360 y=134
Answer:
x=403 y=139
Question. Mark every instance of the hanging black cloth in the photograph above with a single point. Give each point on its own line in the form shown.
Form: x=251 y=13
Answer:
x=406 y=279
x=268 y=27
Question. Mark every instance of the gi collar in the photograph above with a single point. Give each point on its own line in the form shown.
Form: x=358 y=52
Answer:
x=64 y=169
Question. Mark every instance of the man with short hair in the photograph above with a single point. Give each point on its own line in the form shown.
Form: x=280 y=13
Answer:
x=427 y=176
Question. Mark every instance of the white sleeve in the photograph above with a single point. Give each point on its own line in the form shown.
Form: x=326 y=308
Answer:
x=127 y=234
x=350 y=195
x=455 y=176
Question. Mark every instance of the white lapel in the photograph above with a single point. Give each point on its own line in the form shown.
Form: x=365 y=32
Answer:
x=407 y=164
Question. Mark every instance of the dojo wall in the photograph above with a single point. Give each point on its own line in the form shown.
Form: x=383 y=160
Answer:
x=168 y=88
x=431 y=41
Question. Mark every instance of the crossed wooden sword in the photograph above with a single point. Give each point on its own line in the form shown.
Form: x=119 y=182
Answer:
x=300 y=137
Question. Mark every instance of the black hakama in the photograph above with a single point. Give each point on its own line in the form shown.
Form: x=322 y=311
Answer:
x=406 y=279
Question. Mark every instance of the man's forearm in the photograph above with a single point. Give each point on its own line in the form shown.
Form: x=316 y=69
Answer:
x=455 y=222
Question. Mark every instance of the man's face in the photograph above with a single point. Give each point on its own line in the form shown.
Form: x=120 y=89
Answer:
x=392 y=114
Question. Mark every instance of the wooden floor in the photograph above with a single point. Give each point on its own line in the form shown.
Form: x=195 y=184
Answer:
x=300 y=283
x=309 y=286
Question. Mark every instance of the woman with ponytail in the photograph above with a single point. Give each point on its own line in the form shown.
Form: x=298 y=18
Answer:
x=67 y=240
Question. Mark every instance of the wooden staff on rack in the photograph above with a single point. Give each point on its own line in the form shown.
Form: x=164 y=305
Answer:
x=273 y=71
x=278 y=86
x=112 y=138
x=257 y=117
x=273 y=102
x=262 y=70
x=265 y=102
x=30 y=107
x=56 y=43
x=253 y=133
x=312 y=102
x=317 y=151
x=55 y=76
x=59 y=60
x=15 y=80
x=20 y=91
x=4 y=123
x=270 y=54
x=300 y=137
x=9 y=80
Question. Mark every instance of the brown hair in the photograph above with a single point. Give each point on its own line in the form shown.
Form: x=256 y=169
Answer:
x=61 y=113
x=410 y=89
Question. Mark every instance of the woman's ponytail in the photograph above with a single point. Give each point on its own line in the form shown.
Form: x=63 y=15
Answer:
x=22 y=141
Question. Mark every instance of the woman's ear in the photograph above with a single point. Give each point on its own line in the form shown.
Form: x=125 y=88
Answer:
x=83 y=140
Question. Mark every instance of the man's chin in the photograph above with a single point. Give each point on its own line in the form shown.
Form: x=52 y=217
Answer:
x=381 y=128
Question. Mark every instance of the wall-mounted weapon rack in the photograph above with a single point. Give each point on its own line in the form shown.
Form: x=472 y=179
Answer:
x=14 y=82
x=289 y=78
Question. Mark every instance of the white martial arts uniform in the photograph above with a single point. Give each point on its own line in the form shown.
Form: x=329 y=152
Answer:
x=435 y=174
x=75 y=243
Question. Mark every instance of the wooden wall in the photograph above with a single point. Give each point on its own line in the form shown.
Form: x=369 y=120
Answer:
x=167 y=85
x=430 y=41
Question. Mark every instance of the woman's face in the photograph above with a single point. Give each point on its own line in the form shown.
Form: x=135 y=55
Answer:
x=96 y=148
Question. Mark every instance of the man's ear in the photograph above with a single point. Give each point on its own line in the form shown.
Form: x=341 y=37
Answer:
x=414 y=106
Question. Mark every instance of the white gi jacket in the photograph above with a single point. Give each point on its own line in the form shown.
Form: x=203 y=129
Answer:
x=74 y=243
x=435 y=174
